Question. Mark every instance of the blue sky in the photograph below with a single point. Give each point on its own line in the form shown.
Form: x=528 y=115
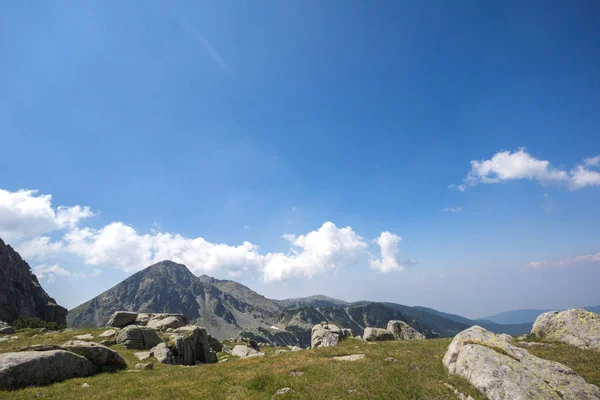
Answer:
x=245 y=121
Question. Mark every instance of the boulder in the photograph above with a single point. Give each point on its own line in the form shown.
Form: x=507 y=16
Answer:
x=143 y=355
x=326 y=335
x=6 y=329
x=162 y=322
x=147 y=366
x=121 y=319
x=108 y=333
x=87 y=336
x=253 y=344
x=142 y=318
x=33 y=368
x=351 y=357
x=189 y=344
x=138 y=337
x=402 y=331
x=576 y=326
x=98 y=354
x=377 y=334
x=296 y=348
x=215 y=344
x=503 y=371
x=162 y=353
x=245 y=351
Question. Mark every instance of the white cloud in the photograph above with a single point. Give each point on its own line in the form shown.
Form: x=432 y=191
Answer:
x=24 y=214
x=49 y=271
x=323 y=250
x=507 y=165
x=566 y=262
x=592 y=161
x=118 y=245
x=391 y=259
x=452 y=209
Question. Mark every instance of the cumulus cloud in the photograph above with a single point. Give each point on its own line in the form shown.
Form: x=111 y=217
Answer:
x=391 y=259
x=118 y=245
x=507 y=165
x=592 y=161
x=566 y=262
x=25 y=214
x=325 y=249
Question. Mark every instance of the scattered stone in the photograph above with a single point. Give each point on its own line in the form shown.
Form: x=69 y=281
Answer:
x=283 y=391
x=98 y=354
x=108 y=333
x=147 y=366
x=352 y=390
x=352 y=357
x=575 y=326
x=138 y=337
x=85 y=385
x=121 y=319
x=3 y=339
x=281 y=351
x=42 y=330
x=503 y=371
x=224 y=360
x=143 y=355
x=505 y=337
x=456 y=392
x=254 y=345
x=33 y=368
x=296 y=373
x=392 y=359
x=377 y=334
x=6 y=329
x=162 y=353
x=402 y=331
x=522 y=337
x=142 y=319
x=14 y=337
x=296 y=348
x=245 y=351
x=87 y=336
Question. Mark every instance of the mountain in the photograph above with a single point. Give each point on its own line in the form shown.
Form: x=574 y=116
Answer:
x=21 y=294
x=229 y=309
x=524 y=316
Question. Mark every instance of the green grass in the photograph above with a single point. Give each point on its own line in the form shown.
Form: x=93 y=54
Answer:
x=418 y=374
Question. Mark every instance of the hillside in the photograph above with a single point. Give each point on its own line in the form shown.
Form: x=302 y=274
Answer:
x=526 y=316
x=21 y=294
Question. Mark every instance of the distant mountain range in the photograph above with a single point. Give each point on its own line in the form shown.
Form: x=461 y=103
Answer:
x=228 y=309
x=524 y=316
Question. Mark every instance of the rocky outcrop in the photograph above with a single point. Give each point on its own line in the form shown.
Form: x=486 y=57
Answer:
x=377 y=334
x=21 y=294
x=245 y=351
x=162 y=353
x=138 y=337
x=162 y=322
x=99 y=355
x=503 y=371
x=189 y=346
x=402 y=331
x=215 y=344
x=6 y=329
x=575 y=326
x=326 y=335
x=33 y=368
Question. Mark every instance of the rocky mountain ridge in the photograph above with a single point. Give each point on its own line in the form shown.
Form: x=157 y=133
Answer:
x=21 y=294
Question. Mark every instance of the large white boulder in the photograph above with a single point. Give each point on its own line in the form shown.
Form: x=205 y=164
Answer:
x=503 y=371
x=402 y=331
x=98 y=354
x=34 y=368
x=121 y=319
x=138 y=337
x=377 y=334
x=162 y=322
x=243 y=351
x=575 y=326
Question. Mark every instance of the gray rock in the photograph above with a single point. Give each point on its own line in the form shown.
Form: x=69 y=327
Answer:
x=108 y=342
x=147 y=366
x=109 y=333
x=143 y=355
x=505 y=337
x=503 y=371
x=215 y=344
x=391 y=359
x=283 y=391
x=460 y=395
x=377 y=334
x=7 y=330
x=402 y=331
x=575 y=326
x=281 y=351
x=138 y=337
x=254 y=345
x=297 y=373
x=98 y=354
x=162 y=353
x=527 y=345
x=326 y=335
x=190 y=344
x=87 y=336
x=142 y=318
x=352 y=357
x=295 y=348
x=85 y=385
x=224 y=360
x=245 y=351
x=122 y=319
x=33 y=368
x=162 y=322
x=3 y=339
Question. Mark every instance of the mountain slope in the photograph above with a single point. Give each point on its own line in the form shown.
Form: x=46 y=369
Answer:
x=526 y=316
x=312 y=301
x=21 y=294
